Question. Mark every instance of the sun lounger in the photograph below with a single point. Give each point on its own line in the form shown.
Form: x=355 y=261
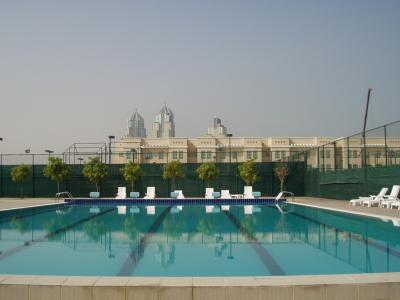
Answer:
x=225 y=195
x=151 y=192
x=377 y=198
x=209 y=193
x=388 y=201
x=121 y=193
x=248 y=192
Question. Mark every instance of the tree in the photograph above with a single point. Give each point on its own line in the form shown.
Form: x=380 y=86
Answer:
x=131 y=173
x=282 y=173
x=21 y=174
x=248 y=172
x=207 y=172
x=173 y=170
x=57 y=171
x=95 y=171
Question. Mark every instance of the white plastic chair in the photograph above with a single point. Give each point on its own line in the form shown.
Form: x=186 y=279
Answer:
x=121 y=193
x=248 y=192
x=180 y=194
x=225 y=194
x=388 y=201
x=209 y=193
x=360 y=200
x=151 y=192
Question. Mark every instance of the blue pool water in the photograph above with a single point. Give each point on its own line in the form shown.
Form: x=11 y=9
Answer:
x=107 y=240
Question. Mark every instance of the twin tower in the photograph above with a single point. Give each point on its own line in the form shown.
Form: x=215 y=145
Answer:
x=163 y=125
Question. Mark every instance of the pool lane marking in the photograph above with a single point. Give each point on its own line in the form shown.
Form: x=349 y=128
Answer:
x=17 y=249
x=135 y=256
x=269 y=262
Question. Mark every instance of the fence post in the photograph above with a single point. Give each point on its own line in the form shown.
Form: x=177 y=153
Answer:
x=386 y=149
x=33 y=176
x=1 y=175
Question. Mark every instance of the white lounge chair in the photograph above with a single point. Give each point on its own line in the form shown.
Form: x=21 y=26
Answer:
x=360 y=200
x=121 y=193
x=388 y=201
x=180 y=194
x=373 y=200
x=225 y=195
x=248 y=192
x=209 y=193
x=151 y=192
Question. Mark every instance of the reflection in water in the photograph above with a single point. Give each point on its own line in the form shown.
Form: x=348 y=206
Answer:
x=362 y=245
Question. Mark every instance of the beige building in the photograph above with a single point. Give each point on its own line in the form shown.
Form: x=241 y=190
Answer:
x=348 y=152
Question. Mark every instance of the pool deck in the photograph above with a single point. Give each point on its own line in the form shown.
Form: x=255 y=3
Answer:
x=322 y=287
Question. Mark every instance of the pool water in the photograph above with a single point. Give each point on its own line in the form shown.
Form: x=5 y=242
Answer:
x=194 y=241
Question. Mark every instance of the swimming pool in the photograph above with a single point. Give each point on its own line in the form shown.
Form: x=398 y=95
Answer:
x=195 y=241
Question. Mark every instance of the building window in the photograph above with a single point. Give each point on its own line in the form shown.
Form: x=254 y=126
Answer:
x=208 y=154
x=128 y=155
x=174 y=155
x=149 y=155
x=223 y=155
x=255 y=154
x=248 y=154
x=327 y=153
x=234 y=155
x=180 y=154
x=161 y=155
x=203 y=154
x=277 y=155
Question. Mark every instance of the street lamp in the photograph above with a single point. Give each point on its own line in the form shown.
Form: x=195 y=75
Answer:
x=27 y=151
x=110 y=137
x=80 y=160
x=229 y=135
x=49 y=152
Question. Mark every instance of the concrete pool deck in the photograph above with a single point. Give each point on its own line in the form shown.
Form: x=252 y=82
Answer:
x=326 y=287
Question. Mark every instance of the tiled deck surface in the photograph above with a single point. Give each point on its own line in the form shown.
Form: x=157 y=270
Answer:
x=344 y=205
x=8 y=203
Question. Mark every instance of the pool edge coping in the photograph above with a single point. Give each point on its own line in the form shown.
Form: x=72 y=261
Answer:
x=371 y=215
x=199 y=282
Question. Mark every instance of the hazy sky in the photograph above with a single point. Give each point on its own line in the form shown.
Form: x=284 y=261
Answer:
x=74 y=71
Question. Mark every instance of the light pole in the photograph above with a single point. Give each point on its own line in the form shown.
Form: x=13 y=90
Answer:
x=80 y=160
x=110 y=137
x=49 y=152
x=229 y=135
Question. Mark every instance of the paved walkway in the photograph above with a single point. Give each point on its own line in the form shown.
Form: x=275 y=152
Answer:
x=7 y=203
x=344 y=205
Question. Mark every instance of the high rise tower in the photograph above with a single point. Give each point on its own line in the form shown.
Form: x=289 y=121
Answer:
x=136 y=126
x=164 y=125
x=217 y=129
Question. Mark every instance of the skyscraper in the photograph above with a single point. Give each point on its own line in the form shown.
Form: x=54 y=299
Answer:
x=217 y=129
x=164 y=125
x=136 y=126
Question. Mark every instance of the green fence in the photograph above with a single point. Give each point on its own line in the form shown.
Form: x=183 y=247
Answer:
x=79 y=186
x=357 y=165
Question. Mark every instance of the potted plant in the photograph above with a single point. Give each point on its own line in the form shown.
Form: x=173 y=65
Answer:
x=57 y=171
x=248 y=172
x=173 y=170
x=282 y=172
x=132 y=172
x=207 y=172
x=21 y=174
x=95 y=171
